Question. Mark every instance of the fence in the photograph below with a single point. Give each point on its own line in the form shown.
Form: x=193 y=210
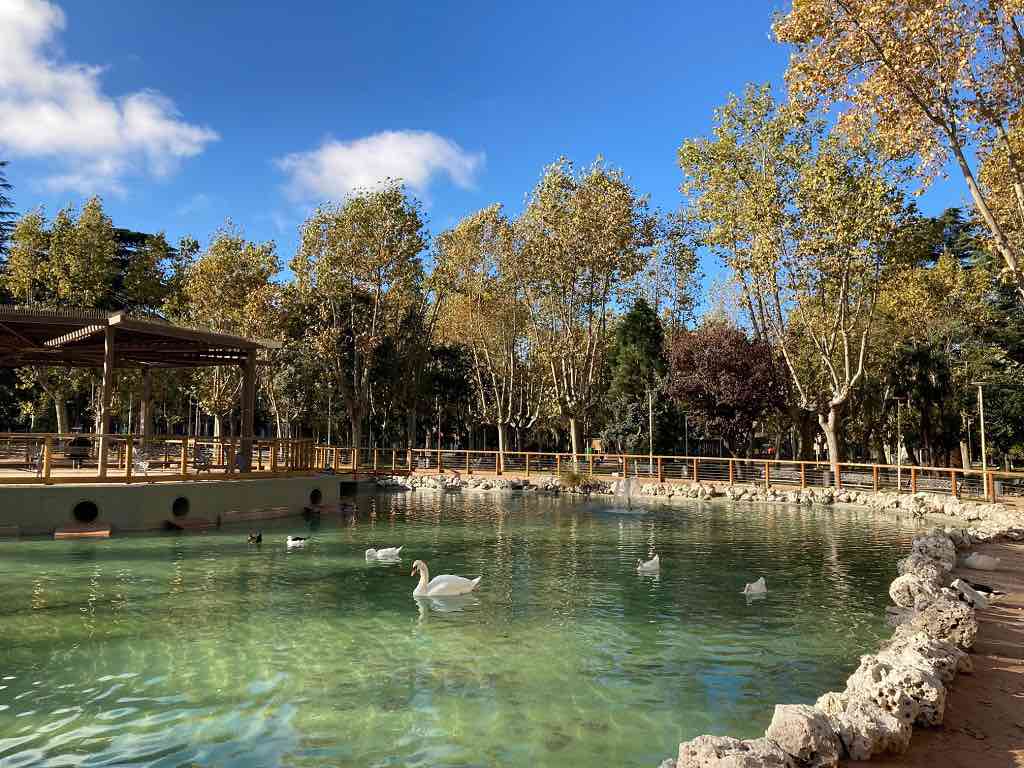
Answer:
x=76 y=457
x=954 y=481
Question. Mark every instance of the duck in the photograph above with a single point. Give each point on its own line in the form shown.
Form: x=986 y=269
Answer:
x=386 y=553
x=256 y=538
x=758 y=587
x=441 y=586
x=650 y=566
x=294 y=542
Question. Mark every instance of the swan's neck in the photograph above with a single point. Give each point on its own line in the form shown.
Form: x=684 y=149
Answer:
x=424 y=579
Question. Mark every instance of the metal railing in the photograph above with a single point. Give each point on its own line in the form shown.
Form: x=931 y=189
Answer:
x=953 y=481
x=78 y=458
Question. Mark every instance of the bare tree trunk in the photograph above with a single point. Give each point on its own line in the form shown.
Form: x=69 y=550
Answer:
x=576 y=436
x=61 y=407
x=502 y=444
x=830 y=426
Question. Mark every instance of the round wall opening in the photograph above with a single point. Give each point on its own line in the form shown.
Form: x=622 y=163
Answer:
x=180 y=507
x=85 y=511
x=315 y=497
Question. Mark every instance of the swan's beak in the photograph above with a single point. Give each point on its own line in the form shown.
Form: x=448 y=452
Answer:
x=412 y=572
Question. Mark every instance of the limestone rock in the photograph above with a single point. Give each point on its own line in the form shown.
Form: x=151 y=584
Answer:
x=937 y=547
x=947 y=620
x=726 y=752
x=942 y=657
x=910 y=591
x=832 y=703
x=865 y=729
x=923 y=567
x=979 y=562
x=911 y=694
x=806 y=734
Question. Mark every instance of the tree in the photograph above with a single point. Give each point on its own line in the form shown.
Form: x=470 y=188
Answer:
x=584 y=233
x=229 y=289
x=636 y=364
x=803 y=221
x=359 y=265
x=929 y=79
x=7 y=213
x=483 y=306
x=727 y=381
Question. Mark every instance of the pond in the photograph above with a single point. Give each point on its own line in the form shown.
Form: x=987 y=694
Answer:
x=200 y=649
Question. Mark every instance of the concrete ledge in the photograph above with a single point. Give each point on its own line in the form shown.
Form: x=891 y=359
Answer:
x=39 y=510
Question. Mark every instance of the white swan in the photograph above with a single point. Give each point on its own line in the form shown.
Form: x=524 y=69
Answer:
x=439 y=586
x=758 y=587
x=294 y=542
x=651 y=566
x=387 y=553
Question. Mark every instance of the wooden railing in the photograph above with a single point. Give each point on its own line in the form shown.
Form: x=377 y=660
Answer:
x=75 y=458
x=954 y=481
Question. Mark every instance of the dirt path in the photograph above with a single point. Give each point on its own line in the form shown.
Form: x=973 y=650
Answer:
x=984 y=723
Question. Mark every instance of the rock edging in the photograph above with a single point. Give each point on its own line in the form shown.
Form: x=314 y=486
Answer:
x=981 y=521
x=902 y=685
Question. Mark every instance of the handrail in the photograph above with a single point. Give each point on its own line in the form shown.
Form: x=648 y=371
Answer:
x=956 y=481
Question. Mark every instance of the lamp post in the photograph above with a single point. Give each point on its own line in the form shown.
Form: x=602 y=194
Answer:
x=984 y=454
x=899 y=442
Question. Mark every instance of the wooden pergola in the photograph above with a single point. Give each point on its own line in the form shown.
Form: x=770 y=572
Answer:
x=82 y=338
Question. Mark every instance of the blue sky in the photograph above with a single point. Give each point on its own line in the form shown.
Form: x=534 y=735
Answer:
x=184 y=115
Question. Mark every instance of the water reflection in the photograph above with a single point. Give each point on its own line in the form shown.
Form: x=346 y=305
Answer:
x=201 y=649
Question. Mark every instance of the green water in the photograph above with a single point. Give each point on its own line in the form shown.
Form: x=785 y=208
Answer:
x=198 y=649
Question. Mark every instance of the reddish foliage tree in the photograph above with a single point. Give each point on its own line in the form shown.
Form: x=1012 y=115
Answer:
x=725 y=380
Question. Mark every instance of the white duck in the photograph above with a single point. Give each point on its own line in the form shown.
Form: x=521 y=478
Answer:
x=758 y=587
x=295 y=542
x=651 y=566
x=386 y=553
x=441 y=586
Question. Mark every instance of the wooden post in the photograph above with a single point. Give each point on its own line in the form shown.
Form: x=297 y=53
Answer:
x=355 y=459
x=248 y=410
x=408 y=459
x=105 y=393
x=129 y=449
x=767 y=474
x=558 y=464
x=661 y=471
x=803 y=475
x=696 y=471
x=591 y=456
x=145 y=427
x=990 y=486
x=527 y=465
x=913 y=479
x=440 y=462
x=273 y=455
x=874 y=477
x=47 y=458
x=374 y=459
x=184 y=456
x=469 y=471
x=952 y=484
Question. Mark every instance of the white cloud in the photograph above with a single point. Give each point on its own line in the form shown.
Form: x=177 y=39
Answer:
x=55 y=109
x=337 y=168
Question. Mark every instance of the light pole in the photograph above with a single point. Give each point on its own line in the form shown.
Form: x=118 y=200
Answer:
x=899 y=443
x=984 y=454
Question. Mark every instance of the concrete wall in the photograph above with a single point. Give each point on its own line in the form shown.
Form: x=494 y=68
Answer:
x=33 y=510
